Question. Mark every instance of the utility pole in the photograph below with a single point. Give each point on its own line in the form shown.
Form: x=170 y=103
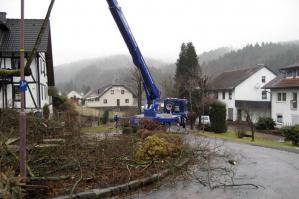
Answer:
x=22 y=87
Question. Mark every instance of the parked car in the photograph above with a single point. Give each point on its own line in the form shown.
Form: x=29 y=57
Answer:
x=205 y=119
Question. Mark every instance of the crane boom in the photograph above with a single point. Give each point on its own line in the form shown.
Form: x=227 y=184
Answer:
x=175 y=109
x=151 y=90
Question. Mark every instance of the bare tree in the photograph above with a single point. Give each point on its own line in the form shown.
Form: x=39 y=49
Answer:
x=136 y=84
x=197 y=88
x=249 y=121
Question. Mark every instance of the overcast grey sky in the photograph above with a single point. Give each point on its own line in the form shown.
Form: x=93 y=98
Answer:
x=85 y=28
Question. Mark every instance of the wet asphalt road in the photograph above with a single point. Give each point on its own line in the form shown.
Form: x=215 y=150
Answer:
x=276 y=171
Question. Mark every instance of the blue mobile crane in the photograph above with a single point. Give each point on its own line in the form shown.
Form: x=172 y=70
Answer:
x=175 y=110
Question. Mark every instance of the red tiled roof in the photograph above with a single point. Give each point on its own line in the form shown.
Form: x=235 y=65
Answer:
x=281 y=82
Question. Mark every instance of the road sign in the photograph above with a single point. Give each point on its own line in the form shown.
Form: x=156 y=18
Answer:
x=23 y=86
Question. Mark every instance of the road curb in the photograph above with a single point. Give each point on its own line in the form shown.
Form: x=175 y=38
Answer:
x=130 y=186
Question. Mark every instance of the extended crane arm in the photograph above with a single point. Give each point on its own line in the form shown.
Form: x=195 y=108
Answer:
x=151 y=89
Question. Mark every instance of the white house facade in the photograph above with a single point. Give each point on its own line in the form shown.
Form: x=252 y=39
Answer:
x=75 y=97
x=74 y=94
x=242 y=90
x=112 y=96
x=41 y=76
x=284 y=94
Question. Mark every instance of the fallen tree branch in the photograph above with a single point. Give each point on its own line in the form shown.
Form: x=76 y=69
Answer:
x=53 y=178
x=4 y=146
x=129 y=173
x=235 y=185
x=78 y=181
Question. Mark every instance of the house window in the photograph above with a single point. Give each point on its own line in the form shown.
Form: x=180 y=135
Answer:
x=223 y=94
x=44 y=68
x=284 y=97
x=105 y=101
x=281 y=97
x=127 y=101
x=294 y=101
x=216 y=95
x=122 y=91
x=297 y=73
x=290 y=73
x=45 y=87
x=279 y=118
x=42 y=93
x=263 y=79
x=97 y=99
x=264 y=95
x=230 y=95
x=112 y=92
x=17 y=94
x=15 y=63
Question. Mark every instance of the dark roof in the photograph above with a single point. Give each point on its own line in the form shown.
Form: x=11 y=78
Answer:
x=282 y=82
x=11 y=37
x=292 y=66
x=100 y=91
x=10 y=42
x=229 y=80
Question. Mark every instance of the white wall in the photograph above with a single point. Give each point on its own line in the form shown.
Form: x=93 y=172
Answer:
x=284 y=108
x=72 y=94
x=230 y=103
x=112 y=98
x=251 y=88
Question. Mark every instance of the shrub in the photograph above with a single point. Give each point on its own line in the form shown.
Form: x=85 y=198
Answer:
x=144 y=133
x=149 y=124
x=291 y=134
x=105 y=118
x=127 y=130
x=265 y=123
x=135 y=129
x=46 y=111
x=124 y=123
x=153 y=148
x=10 y=184
x=217 y=115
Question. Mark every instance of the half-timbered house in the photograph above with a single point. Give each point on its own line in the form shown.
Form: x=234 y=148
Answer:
x=41 y=75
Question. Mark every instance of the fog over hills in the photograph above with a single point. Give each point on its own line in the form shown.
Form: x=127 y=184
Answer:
x=101 y=71
x=97 y=72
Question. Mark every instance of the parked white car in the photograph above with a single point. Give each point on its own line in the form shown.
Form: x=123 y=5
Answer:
x=205 y=119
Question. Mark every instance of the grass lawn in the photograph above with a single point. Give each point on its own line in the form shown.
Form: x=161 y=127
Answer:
x=99 y=129
x=259 y=141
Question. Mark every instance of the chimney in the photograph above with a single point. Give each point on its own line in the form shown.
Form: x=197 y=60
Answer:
x=3 y=17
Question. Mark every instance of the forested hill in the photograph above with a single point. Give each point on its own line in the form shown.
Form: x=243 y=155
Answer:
x=274 y=55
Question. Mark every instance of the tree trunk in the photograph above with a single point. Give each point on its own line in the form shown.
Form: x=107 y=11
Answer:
x=252 y=132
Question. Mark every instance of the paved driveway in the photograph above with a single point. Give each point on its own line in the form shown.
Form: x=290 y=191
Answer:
x=277 y=171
